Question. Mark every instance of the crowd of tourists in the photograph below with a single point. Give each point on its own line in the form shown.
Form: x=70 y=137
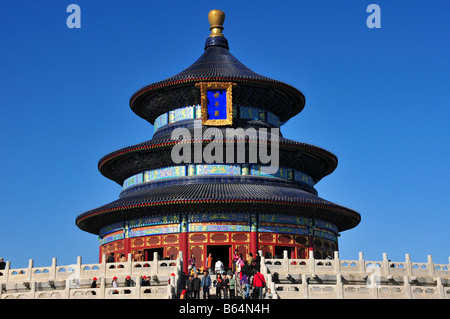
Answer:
x=219 y=283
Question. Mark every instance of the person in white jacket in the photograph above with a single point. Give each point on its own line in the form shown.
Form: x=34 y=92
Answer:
x=218 y=267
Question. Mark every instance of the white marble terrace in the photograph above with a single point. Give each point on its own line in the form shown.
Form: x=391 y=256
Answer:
x=288 y=279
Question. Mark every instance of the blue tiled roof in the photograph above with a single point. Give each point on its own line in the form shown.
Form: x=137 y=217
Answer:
x=217 y=64
x=198 y=196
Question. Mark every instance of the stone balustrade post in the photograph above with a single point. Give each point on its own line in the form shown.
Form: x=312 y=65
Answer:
x=268 y=279
x=440 y=287
x=155 y=265
x=52 y=272
x=32 y=292
x=7 y=269
x=137 y=287
x=285 y=261
x=102 y=292
x=305 y=286
x=312 y=263
x=339 y=287
x=78 y=267
x=30 y=269
x=173 y=281
x=430 y=266
x=409 y=269
x=129 y=265
x=385 y=264
x=67 y=289
x=169 y=291
x=362 y=263
x=66 y=292
x=103 y=265
x=263 y=265
x=407 y=287
x=374 y=286
x=272 y=289
x=337 y=262
x=180 y=261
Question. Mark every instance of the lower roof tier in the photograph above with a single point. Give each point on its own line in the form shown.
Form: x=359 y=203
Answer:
x=193 y=197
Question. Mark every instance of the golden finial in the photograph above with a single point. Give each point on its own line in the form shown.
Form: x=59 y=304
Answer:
x=216 y=19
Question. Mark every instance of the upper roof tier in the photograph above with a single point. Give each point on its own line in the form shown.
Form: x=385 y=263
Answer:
x=219 y=65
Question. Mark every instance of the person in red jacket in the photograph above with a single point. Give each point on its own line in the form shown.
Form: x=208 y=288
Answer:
x=259 y=283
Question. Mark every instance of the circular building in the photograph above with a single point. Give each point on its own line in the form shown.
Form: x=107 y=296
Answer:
x=218 y=175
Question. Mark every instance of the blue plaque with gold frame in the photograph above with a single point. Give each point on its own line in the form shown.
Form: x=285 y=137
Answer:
x=216 y=102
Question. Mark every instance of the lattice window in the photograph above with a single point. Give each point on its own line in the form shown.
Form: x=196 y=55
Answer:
x=199 y=238
x=240 y=237
x=268 y=238
x=108 y=249
x=219 y=237
x=242 y=249
x=198 y=254
x=171 y=239
x=285 y=239
x=119 y=245
x=138 y=242
x=153 y=240
x=172 y=252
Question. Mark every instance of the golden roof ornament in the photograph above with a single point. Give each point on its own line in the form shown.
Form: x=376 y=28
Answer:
x=216 y=19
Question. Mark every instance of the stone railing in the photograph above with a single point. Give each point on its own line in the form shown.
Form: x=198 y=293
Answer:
x=74 y=281
x=335 y=278
x=287 y=278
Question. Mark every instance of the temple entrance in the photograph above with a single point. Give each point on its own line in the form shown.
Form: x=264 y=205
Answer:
x=220 y=251
x=148 y=253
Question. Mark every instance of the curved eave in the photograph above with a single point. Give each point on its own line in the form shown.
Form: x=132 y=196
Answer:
x=218 y=196
x=180 y=82
x=154 y=89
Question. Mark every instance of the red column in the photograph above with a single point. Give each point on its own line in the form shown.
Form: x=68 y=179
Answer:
x=184 y=241
x=127 y=246
x=311 y=243
x=100 y=254
x=253 y=242
x=253 y=233
x=126 y=240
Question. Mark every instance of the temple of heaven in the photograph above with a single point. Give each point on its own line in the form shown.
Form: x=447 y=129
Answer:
x=197 y=189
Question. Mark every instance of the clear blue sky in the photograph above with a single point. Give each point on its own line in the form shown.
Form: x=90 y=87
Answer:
x=377 y=98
